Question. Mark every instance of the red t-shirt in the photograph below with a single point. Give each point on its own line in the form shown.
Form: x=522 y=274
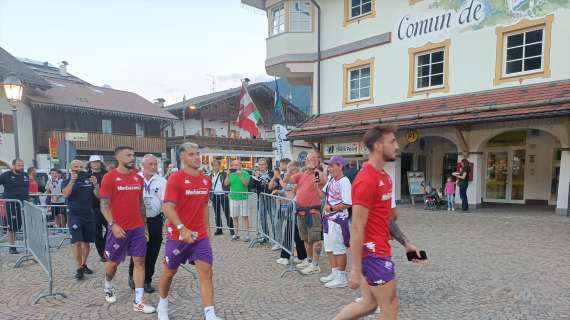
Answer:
x=33 y=186
x=124 y=192
x=373 y=190
x=307 y=195
x=190 y=195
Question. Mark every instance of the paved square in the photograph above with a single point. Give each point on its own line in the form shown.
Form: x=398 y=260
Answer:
x=494 y=264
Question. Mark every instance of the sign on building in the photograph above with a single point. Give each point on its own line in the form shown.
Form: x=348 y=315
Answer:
x=342 y=148
x=76 y=136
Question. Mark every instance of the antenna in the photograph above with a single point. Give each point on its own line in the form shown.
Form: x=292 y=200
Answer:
x=213 y=77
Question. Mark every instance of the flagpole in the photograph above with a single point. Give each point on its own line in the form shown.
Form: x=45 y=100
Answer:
x=184 y=118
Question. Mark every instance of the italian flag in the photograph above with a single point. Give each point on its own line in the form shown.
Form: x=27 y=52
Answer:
x=249 y=117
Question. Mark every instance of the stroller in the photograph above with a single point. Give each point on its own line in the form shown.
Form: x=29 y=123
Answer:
x=433 y=199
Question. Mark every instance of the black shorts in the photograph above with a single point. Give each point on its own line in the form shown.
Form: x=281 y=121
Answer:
x=13 y=219
x=58 y=209
x=83 y=231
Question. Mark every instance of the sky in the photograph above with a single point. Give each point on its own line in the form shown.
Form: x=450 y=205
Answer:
x=166 y=48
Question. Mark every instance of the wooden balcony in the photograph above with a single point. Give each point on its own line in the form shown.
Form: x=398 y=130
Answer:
x=97 y=141
x=223 y=143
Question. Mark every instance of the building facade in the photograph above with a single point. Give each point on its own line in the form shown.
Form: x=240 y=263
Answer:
x=211 y=122
x=478 y=79
x=60 y=109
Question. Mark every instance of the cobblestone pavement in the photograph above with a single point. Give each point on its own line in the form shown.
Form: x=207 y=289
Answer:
x=486 y=265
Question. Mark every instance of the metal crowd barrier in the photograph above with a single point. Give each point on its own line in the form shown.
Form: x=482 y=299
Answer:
x=36 y=233
x=12 y=223
x=225 y=205
x=277 y=219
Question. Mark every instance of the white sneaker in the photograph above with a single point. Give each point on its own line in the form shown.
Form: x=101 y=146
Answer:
x=143 y=307
x=110 y=295
x=339 y=281
x=328 y=278
x=275 y=247
x=283 y=261
x=214 y=317
x=162 y=313
x=448 y=209
x=311 y=269
x=297 y=260
x=247 y=239
x=305 y=263
x=452 y=209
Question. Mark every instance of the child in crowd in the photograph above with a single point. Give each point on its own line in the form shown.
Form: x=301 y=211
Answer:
x=450 y=193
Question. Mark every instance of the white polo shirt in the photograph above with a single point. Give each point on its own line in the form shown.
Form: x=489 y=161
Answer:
x=153 y=194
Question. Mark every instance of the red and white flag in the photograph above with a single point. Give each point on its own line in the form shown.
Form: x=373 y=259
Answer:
x=249 y=117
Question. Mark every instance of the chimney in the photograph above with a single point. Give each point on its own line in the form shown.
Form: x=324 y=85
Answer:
x=63 y=68
x=159 y=102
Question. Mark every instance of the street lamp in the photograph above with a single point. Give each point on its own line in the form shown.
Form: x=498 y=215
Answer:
x=13 y=89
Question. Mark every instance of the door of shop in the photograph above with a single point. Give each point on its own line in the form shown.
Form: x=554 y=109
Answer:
x=504 y=175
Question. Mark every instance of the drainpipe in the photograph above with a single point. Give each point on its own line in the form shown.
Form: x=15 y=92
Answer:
x=318 y=56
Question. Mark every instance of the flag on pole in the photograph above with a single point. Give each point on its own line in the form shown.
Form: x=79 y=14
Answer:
x=248 y=117
x=278 y=106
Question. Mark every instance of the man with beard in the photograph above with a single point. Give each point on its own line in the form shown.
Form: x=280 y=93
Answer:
x=96 y=168
x=123 y=206
x=16 y=187
x=372 y=267
x=186 y=208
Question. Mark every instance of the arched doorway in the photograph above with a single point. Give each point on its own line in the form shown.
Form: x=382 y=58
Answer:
x=521 y=166
x=435 y=156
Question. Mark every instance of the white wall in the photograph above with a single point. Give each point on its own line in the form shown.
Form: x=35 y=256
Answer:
x=26 y=140
x=193 y=127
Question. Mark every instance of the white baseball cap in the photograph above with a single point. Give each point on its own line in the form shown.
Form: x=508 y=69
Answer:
x=95 y=158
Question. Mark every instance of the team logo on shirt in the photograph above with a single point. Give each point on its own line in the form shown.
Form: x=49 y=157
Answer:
x=176 y=252
x=118 y=179
x=136 y=179
x=116 y=246
x=187 y=181
x=381 y=184
x=386 y=196
x=205 y=182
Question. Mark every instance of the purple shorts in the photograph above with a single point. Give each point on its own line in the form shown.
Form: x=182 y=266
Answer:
x=378 y=270
x=178 y=252
x=133 y=244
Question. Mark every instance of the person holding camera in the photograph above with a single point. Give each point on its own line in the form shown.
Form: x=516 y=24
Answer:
x=219 y=198
x=80 y=189
x=238 y=181
x=309 y=182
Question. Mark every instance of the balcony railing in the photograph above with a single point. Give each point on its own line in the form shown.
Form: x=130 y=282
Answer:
x=223 y=143
x=97 y=141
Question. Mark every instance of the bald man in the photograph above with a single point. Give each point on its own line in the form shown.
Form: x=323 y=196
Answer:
x=80 y=189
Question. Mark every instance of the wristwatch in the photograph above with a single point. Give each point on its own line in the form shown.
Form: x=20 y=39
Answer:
x=179 y=226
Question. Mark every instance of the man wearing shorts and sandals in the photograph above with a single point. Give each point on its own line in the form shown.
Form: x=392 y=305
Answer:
x=123 y=207
x=186 y=208
x=309 y=182
x=238 y=180
x=372 y=267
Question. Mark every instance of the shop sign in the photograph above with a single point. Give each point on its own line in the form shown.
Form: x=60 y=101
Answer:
x=342 y=148
x=76 y=136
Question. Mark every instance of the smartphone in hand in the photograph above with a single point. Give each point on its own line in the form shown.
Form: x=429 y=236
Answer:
x=412 y=255
x=317 y=178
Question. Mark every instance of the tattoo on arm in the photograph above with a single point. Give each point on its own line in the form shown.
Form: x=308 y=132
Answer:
x=397 y=234
x=105 y=210
x=143 y=209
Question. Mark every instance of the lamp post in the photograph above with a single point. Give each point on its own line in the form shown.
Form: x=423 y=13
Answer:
x=13 y=89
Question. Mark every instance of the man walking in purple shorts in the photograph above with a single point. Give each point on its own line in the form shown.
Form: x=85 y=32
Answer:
x=186 y=208
x=122 y=205
x=372 y=267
